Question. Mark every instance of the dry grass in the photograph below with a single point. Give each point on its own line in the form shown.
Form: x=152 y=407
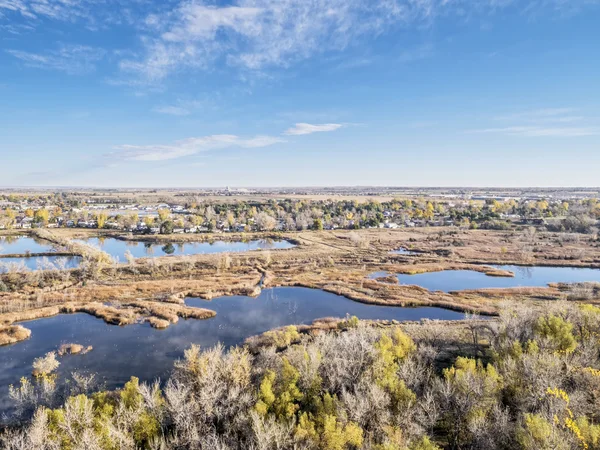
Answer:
x=391 y=279
x=30 y=314
x=73 y=349
x=154 y=289
x=109 y=314
x=157 y=323
x=416 y=269
x=13 y=333
x=171 y=312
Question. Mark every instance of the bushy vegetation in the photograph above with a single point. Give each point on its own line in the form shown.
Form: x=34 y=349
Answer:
x=531 y=380
x=194 y=213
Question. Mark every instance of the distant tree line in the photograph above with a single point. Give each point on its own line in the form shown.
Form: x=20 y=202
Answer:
x=294 y=215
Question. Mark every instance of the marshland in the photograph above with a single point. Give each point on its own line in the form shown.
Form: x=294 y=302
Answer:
x=172 y=307
x=289 y=225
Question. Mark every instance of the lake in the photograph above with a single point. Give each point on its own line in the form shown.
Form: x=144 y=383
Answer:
x=23 y=245
x=20 y=245
x=25 y=263
x=141 y=249
x=142 y=351
x=458 y=280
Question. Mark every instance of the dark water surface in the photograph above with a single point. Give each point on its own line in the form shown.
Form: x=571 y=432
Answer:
x=142 y=351
x=458 y=280
x=140 y=249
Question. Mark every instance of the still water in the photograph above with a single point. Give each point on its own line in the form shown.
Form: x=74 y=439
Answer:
x=140 y=249
x=26 y=263
x=142 y=351
x=20 y=245
x=458 y=280
x=23 y=245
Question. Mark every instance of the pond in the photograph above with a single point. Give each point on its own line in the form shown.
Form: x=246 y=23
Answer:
x=20 y=245
x=142 y=351
x=141 y=249
x=404 y=251
x=25 y=263
x=458 y=280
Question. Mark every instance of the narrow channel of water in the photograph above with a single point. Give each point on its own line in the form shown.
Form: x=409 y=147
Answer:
x=141 y=249
x=23 y=245
x=142 y=351
x=26 y=263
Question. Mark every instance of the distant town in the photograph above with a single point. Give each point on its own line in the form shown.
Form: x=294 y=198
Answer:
x=245 y=210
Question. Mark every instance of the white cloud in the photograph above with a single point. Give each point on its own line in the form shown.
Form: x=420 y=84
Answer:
x=188 y=147
x=65 y=10
x=73 y=59
x=15 y=29
x=255 y=34
x=307 y=128
x=197 y=22
x=259 y=34
x=260 y=141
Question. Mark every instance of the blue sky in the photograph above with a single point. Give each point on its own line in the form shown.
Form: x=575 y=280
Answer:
x=299 y=93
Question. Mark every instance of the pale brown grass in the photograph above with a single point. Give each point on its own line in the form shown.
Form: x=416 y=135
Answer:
x=13 y=333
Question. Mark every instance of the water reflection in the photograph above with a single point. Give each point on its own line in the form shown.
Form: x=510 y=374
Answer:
x=536 y=276
x=19 y=245
x=27 y=263
x=139 y=350
x=141 y=249
x=169 y=249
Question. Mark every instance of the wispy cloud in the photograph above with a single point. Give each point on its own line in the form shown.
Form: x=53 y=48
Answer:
x=205 y=18
x=195 y=145
x=93 y=14
x=15 y=29
x=72 y=59
x=256 y=34
x=188 y=147
x=54 y=9
x=538 y=131
x=307 y=128
x=545 y=122
x=260 y=34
